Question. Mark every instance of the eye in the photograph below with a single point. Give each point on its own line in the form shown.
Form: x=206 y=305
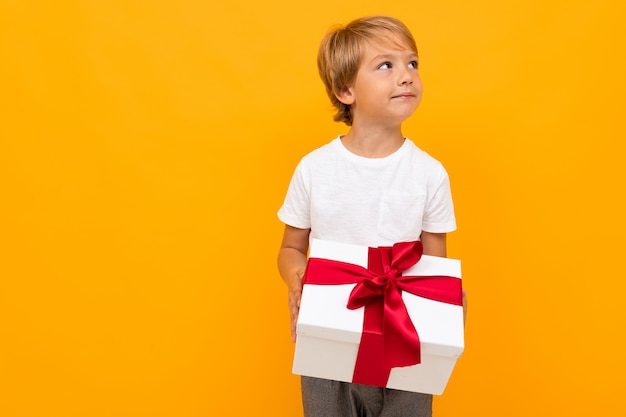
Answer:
x=413 y=64
x=385 y=65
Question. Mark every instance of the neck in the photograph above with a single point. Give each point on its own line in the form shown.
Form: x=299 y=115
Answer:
x=373 y=143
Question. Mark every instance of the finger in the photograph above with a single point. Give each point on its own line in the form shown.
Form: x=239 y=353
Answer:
x=294 y=330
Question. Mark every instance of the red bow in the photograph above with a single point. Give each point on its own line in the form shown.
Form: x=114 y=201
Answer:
x=389 y=338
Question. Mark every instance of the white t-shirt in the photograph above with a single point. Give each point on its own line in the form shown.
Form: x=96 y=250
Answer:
x=347 y=198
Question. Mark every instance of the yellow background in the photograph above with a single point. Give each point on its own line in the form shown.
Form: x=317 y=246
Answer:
x=147 y=145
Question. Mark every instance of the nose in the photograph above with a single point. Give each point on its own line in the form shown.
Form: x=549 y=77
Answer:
x=406 y=78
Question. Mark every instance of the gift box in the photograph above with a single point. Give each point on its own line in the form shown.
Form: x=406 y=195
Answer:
x=387 y=316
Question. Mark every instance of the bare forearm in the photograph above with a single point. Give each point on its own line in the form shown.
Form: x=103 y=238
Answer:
x=291 y=266
x=435 y=244
x=292 y=256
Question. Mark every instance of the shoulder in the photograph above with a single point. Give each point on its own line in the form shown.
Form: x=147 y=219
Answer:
x=422 y=159
x=327 y=149
x=321 y=156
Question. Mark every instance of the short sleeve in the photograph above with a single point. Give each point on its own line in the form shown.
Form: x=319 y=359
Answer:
x=296 y=209
x=439 y=209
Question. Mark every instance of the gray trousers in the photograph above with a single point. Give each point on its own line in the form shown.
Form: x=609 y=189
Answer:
x=326 y=398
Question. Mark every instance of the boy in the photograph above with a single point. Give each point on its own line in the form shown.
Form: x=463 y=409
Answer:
x=370 y=187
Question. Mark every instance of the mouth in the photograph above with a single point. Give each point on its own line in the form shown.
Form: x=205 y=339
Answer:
x=404 y=96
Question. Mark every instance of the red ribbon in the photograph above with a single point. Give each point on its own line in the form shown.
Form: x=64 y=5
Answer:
x=389 y=338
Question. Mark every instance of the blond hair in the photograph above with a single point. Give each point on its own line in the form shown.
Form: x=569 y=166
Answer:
x=341 y=51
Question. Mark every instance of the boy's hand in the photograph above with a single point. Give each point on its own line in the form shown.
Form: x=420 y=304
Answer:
x=295 y=294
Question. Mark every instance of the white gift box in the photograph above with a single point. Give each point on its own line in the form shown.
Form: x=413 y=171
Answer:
x=328 y=333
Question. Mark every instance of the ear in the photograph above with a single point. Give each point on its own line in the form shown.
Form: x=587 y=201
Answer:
x=345 y=95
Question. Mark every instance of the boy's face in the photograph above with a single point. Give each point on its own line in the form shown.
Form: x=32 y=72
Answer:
x=387 y=88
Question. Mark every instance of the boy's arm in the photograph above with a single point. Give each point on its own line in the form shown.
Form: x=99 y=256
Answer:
x=435 y=244
x=291 y=265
